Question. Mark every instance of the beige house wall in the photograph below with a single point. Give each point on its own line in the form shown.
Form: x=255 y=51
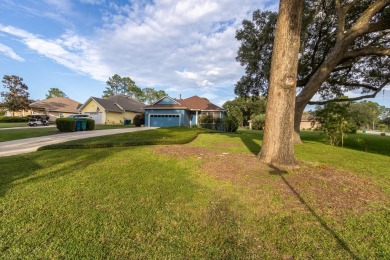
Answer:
x=19 y=113
x=108 y=117
x=92 y=107
x=306 y=125
x=119 y=118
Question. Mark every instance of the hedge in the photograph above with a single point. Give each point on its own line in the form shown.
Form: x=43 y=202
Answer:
x=13 y=119
x=90 y=124
x=66 y=124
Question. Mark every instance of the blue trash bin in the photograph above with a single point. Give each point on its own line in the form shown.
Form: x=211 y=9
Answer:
x=83 y=125
x=78 y=125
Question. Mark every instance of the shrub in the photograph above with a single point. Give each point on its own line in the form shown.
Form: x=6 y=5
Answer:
x=13 y=119
x=258 y=122
x=382 y=127
x=66 y=124
x=90 y=124
x=206 y=119
x=231 y=124
x=139 y=119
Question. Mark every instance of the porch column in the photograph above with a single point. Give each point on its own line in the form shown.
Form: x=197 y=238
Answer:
x=196 y=118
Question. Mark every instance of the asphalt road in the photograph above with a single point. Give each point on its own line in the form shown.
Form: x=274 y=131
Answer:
x=29 y=145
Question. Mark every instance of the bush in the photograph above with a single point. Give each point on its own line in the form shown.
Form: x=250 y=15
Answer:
x=139 y=119
x=231 y=124
x=258 y=122
x=66 y=124
x=90 y=124
x=13 y=119
x=206 y=119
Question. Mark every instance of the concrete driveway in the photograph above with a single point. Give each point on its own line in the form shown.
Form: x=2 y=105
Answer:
x=29 y=145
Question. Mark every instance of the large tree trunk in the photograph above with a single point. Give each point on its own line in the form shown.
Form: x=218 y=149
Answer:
x=278 y=145
x=299 y=108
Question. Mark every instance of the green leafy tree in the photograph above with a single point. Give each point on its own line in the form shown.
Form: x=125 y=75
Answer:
x=15 y=97
x=258 y=121
x=126 y=86
x=243 y=109
x=365 y=114
x=55 y=92
x=150 y=95
x=334 y=121
x=344 y=46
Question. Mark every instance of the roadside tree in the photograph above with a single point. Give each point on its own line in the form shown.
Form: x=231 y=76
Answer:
x=15 y=97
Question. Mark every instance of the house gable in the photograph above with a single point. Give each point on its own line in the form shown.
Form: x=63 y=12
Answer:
x=167 y=101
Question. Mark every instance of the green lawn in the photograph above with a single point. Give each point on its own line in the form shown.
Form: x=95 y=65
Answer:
x=7 y=125
x=209 y=199
x=16 y=134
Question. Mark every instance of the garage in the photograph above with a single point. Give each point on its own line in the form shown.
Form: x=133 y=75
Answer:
x=164 y=120
x=98 y=117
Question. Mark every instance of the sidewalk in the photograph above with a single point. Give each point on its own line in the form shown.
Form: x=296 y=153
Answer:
x=32 y=144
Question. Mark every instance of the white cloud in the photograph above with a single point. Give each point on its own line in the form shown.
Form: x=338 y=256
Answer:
x=180 y=46
x=70 y=51
x=7 y=51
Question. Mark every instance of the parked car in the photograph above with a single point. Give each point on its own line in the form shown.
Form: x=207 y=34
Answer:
x=38 y=120
x=76 y=116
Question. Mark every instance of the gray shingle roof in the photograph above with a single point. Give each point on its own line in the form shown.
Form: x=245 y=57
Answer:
x=118 y=102
x=127 y=103
x=57 y=104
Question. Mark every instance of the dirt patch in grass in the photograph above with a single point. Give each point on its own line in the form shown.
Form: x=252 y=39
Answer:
x=223 y=144
x=332 y=191
x=322 y=188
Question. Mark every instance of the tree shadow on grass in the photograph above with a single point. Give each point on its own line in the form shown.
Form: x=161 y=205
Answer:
x=23 y=169
x=249 y=139
x=277 y=171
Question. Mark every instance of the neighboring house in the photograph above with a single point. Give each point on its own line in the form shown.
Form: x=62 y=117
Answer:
x=112 y=110
x=23 y=112
x=180 y=112
x=55 y=107
x=306 y=123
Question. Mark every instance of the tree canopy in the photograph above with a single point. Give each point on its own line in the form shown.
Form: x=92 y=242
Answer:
x=126 y=86
x=244 y=109
x=150 y=95
x=15 y=97
x=345 y=46
x=55 y=92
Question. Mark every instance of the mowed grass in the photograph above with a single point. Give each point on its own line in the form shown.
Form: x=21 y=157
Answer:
x=203 y=200
x=172 y=135
x=8 y=125
x=16 y=134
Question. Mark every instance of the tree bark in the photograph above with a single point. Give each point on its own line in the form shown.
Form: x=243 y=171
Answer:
x=278 y=145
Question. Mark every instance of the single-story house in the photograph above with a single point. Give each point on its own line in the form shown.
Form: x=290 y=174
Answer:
x=306 y=122
x=168 y=112
x=55 y=107
x=112 y=110
x=23 y=112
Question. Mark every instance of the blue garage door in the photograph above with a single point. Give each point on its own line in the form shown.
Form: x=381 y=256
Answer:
x=164 y=120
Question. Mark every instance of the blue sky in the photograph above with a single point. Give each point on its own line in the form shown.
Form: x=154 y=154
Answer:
x=183 y=47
